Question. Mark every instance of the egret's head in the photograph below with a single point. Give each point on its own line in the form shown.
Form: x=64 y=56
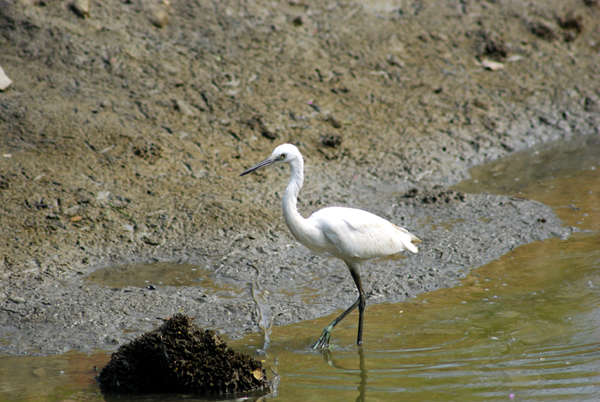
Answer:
x=283 y=153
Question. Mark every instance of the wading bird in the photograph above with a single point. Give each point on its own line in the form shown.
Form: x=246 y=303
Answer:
x=352 y=235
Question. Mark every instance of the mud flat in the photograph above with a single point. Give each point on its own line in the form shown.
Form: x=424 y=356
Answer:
x=126 y=126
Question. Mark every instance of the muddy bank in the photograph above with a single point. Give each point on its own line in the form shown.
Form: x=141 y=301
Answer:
x=297 y=285
x=124 y=131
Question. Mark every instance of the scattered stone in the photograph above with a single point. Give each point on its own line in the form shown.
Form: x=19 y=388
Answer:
x=340 y=90
x=5 y=82
x=492 y=65
x=334 y=122
x=159 y=18
x=151 y=240
x=440 y=37
x=394 y=60
x=81 y=8
x=299 y=20
x=179 y=357
x=314 y=106
x=481 y=104
x=183 y=108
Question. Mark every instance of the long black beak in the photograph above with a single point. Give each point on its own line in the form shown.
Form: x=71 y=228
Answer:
x=262 y=164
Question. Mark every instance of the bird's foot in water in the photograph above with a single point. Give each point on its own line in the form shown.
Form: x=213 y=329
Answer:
x=323 y=341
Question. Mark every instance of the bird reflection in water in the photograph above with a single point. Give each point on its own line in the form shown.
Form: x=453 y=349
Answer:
x=362 y=385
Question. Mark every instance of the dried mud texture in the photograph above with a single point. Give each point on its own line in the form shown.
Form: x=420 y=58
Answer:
x=127 y=125
x=179 y=357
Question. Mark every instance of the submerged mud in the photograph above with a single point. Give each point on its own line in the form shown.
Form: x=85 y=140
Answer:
x=126 y=126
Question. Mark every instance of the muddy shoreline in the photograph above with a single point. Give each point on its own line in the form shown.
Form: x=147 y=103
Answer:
x=123 y=139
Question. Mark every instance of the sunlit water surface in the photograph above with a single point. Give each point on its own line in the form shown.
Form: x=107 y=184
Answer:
x=524 y=327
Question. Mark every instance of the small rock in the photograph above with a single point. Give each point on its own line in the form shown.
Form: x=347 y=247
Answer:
x=151 y=240
x=440 y=37
x=72 y=211
x=103 y=196
x=52 y=215
x=492 y=65
x=334 y=122
x=481 y=104
x=160 y=18
x=4 y=80
x=81 y=8
x=340 y=90
x=394 y=60
x=183 y=108
x=299 y=20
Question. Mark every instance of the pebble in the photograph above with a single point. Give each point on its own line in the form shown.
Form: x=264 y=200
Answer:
x=4 y=80
x=183 y=108
x=492 y=65
x=160 y=18
x=81 y=8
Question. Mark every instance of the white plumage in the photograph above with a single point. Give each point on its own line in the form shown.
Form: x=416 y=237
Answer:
x=352 y=235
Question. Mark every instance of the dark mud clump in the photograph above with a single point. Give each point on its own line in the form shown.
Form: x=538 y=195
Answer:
x=435 y=195
x=331 y=140
x=492 y=45
x=179 y=357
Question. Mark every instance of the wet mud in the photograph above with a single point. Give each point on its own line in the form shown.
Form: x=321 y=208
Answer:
x=126 y=126
x=179 y=357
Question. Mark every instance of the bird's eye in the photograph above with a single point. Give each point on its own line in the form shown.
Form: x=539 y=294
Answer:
x=282 y=156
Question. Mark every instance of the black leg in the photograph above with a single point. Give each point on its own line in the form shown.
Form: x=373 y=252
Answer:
x=323 y=340
x=362 y=302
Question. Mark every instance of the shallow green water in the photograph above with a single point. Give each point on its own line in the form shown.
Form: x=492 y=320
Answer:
x=526 y=325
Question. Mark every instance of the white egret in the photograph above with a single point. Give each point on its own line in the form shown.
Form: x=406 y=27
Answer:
x=351 y=235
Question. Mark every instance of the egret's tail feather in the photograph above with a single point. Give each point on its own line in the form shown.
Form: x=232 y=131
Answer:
x=409 y=245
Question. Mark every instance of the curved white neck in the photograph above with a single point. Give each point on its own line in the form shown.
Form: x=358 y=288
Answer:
x=293 y=219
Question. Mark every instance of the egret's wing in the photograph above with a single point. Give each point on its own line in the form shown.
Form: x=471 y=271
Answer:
x=360 y=234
